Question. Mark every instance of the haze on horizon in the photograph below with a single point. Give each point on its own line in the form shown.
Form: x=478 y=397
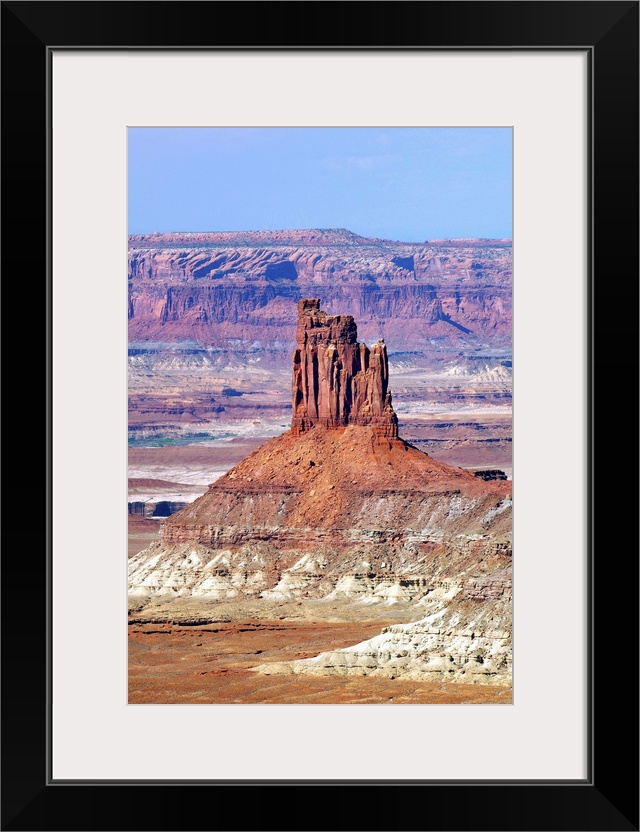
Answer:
x=407 y=184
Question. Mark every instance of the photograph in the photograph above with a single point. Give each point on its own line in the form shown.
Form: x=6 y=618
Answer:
x=320 y=415
x=351 y=388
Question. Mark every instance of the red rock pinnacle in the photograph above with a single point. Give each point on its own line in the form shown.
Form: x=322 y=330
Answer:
x=336 y=380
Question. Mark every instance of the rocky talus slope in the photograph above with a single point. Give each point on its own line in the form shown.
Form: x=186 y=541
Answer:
x=340 y=507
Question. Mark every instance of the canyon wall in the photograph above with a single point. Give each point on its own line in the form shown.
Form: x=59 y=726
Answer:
x=238 y=290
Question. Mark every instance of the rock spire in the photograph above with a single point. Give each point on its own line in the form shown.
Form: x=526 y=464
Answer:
x=336 y=380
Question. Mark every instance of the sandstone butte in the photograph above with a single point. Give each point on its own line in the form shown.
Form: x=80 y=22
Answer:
x=340 y=507
x=337 y=381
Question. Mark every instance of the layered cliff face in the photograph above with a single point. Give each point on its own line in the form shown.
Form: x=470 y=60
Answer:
x=341 y=508
x=221 y=290
x=336 y=380
x=460 y=639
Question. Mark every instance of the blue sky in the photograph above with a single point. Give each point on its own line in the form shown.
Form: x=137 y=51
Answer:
x=409 y=184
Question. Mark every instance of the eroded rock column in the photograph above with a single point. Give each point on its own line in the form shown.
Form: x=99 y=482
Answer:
x=336 y=380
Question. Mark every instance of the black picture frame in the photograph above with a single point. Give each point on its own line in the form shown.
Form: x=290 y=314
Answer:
x=608 y=798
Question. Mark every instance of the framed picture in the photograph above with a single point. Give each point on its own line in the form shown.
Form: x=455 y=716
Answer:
x=563 y=77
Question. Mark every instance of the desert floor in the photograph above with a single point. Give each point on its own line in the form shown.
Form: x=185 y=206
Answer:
x=193 y=651
x=206 y=664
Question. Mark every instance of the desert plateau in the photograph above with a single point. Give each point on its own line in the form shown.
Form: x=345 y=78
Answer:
x=311 y=519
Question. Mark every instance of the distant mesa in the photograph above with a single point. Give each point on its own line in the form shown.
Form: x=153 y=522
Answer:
x=336 y=380
x=297 y=237
x=238 y=290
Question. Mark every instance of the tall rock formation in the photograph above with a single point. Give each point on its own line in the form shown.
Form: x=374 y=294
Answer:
x=341 y=509
x=336 y=380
